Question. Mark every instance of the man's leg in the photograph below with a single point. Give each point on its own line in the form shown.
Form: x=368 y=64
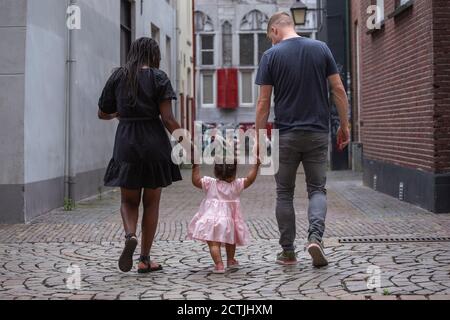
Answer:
x=290 y=160
x=315 y=165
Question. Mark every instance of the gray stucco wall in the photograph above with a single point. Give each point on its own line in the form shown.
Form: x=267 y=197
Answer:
x=96 y=54
x=44 y=106
x=12 y=86
x=33 y=98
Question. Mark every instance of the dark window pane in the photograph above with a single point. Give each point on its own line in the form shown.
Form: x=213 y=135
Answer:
x=208 y=42
x=125 y=13
x=207 y=58
x=264 y=44
x=247 y=50
x=125 y=30
x=227 y=45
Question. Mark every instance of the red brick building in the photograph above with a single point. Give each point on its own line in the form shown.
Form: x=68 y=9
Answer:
x=401 y=98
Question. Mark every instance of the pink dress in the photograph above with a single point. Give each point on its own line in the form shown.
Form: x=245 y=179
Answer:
x=220 y=218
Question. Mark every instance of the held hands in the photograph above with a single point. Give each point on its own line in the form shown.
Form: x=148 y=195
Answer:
x=343 y=137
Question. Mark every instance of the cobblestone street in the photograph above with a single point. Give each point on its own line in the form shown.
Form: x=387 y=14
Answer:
x=34 y=258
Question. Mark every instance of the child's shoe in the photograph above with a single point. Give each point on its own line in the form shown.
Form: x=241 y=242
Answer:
x=233 y=264
x=219 y=269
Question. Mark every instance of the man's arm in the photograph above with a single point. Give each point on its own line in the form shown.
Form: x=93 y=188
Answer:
x=263 y=109
x=341 y=100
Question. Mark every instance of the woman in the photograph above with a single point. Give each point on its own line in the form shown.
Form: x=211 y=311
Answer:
x=140 y=96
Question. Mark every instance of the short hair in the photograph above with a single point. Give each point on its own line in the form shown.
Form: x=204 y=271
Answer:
x=278 y=18
x=225 y=171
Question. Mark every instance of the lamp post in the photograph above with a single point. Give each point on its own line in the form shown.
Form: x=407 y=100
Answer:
x=299 y=10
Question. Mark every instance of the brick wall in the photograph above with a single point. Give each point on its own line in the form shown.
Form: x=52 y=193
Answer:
x=397 y=93
x=441 y=48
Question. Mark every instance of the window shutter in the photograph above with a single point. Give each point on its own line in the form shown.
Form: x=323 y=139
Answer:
x=227 y=88
x=221 y=88
x=232 y=81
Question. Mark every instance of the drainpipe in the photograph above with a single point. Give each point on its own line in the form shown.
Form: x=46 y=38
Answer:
x=69 y=86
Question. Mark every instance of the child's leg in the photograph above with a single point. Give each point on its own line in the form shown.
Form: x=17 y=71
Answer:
x=231 y=252
x=214 y=249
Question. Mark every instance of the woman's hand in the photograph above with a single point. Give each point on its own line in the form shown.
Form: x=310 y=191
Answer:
x=105 y=116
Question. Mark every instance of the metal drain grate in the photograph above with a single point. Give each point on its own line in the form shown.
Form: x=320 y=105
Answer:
x=394 y=239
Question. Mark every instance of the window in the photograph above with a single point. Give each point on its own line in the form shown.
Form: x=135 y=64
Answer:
x=264 y=44
x=380 y=15
x=227 y=44
x=125 y=30
x=247 y=49
x=207 y=50
x=247 y=87
x=168 y=56
x=155 y=33
x=207 y=89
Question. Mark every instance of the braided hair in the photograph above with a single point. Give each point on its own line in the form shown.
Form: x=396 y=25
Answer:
x=143 y=52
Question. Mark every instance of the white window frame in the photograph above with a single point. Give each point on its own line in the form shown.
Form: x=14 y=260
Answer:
x=241 y=84
x=380 y=13
x=208 y=105
x=213 y=50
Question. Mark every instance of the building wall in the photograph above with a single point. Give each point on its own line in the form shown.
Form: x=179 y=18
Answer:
x=44 y=115
x=12 y=88
x=185 y=62
x=397 y=88
x=441 y=49
x=404 y=101
x=37 y=92
x=219 y=11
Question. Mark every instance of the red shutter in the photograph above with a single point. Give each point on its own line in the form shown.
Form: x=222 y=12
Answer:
x=227 y=88
x=232 y=96
x=221 y=88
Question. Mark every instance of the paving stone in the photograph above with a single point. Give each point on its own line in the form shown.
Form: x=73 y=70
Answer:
x=91 y=237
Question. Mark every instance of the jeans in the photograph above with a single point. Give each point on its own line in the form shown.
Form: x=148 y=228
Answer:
x=311 y=149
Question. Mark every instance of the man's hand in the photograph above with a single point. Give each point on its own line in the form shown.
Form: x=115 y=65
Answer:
x=343 y=137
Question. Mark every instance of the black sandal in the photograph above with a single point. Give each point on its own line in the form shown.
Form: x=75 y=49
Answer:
x=126 y=259
x=146 y=260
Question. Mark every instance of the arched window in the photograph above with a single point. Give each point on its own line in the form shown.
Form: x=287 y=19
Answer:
x=203 y=22
x=227 y=43
x=254 y=20
x=252 y=45
x=252 y=39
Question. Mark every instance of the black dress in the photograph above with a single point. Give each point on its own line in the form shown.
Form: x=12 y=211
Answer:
x=142 y=150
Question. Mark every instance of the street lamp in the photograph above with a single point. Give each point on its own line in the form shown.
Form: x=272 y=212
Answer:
x=299 y=10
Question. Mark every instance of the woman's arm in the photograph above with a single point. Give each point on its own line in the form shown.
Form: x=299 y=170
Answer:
x=105 y=116
x=167 y=117
x=196 y=178
x=251 y=177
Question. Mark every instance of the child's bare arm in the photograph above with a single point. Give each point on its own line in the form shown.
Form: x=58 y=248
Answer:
x=196 y=178
x=251 y=177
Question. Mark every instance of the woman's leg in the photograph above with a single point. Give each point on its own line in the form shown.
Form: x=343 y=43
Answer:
x=214 y=249
x=131 y=200
x=151 y=199
x=130 y=213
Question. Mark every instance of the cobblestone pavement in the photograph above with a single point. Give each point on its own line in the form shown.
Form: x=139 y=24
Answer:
x=34 y=258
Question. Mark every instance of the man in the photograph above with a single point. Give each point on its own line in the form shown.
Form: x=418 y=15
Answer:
x=300 y=70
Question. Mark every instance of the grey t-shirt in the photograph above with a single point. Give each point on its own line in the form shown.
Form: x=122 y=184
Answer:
x=298 y=69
